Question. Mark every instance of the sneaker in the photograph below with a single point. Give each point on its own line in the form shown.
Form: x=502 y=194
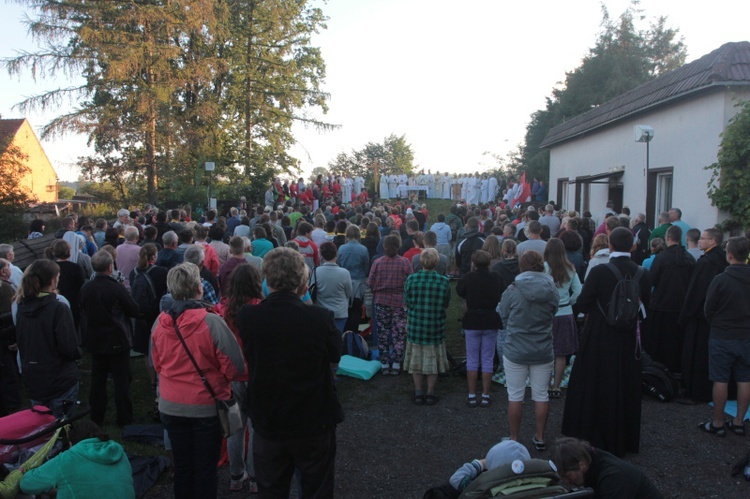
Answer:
x=239 y=483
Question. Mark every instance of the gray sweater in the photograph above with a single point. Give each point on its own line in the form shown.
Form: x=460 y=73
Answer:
x=334 y=288
x=527 y=309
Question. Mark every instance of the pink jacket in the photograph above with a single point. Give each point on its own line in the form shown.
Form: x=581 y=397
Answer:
x=215 y=349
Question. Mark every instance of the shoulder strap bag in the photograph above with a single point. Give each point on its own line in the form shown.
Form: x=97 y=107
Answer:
x=228 y=411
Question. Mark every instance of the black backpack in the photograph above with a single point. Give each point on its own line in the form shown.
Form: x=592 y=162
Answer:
x=455 y=224
x=625 y=302
x=657 y=381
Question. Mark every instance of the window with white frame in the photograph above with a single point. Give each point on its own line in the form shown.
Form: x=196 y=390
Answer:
x=663 y=192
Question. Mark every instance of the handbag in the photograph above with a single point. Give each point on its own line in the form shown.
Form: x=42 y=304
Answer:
x=228 y=410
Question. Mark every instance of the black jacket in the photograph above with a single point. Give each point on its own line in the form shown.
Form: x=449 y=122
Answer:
x=48 y=345
x=106 y=308
x=289 y=347
x=670 y=275
x=726 y=304
x=472 y=241
x=508 y=270
x=481 y=289
x=641 y=233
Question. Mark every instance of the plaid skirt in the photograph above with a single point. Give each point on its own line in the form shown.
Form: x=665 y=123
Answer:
x=564 y=335
x=425 y=359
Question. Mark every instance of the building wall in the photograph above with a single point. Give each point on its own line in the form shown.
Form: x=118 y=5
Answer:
x=686 y=138
x=41 y=181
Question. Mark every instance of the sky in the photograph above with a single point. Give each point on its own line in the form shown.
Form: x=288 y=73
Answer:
x=458 y=80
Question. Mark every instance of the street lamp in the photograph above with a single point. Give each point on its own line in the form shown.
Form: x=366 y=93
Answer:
x=210 y=167
x=645 y=133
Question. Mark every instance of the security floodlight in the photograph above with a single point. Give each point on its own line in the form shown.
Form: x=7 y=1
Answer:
x=210 y=166
x=643 y=133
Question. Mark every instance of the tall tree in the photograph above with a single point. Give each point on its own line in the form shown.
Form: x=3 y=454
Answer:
x=623 y=58
x=393 y=155
x=274 y=78
x=170 y=84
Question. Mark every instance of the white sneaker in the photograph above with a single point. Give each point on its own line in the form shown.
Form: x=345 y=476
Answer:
x=236 y=485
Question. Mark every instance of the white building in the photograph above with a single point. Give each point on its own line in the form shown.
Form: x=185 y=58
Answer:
x=594 y=157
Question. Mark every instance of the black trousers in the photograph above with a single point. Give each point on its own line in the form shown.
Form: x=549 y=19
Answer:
x=10 y=386
x=312 y=457
x=355 y=316
x=119 y=366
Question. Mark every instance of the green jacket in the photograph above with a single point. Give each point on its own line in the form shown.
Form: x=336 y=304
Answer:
x=660 y=231
x=90 y=469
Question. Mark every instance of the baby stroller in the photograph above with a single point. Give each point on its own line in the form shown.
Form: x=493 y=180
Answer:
x=20 y=434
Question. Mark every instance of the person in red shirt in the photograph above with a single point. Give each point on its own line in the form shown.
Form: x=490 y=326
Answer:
x=337 y=190
x=293 y=191
x=418 y=240
x=363 y=196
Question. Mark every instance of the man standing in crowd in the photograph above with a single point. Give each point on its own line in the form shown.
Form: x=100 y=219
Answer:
x=106 y=309
x=7 y=253
x=472 y=240
x=675 y=218
x=127 y=254
x=603 y=403
x=292 y=402
x=550 y=220
x=10 y=388
x=670 y=275
x=729 y=340
x=692 y=320
x=534 y=241
x=661 y=230
x=641 y=233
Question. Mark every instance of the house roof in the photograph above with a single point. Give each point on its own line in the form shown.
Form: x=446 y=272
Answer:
x=727 y=65
x=9 y=129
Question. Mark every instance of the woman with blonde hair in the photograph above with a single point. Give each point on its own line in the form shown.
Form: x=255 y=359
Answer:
x=599 y=252
x=426 y=296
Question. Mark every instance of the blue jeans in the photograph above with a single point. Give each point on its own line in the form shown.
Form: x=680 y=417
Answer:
x=64 y=404
x=196 y=445
x=341 y=324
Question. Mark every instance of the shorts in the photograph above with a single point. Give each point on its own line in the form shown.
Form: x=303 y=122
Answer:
x=725 y=355
x=515 y=380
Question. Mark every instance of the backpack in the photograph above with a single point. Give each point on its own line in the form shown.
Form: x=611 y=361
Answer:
x=625 y=302
x=455 y=224
x=353 y=344
x=657 y=381
x=144 y=293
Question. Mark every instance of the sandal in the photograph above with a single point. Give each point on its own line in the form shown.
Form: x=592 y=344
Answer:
x=418 y=399
x=737 y=429
x=709 y=427
x=539 y=445
x=430 y=399
x=485 y=401
x=554 y=393
x=471 y=402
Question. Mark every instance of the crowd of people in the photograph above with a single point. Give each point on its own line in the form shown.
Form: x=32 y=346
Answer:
x=217 y=302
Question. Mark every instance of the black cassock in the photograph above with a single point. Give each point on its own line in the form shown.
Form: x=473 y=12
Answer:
x=695 y=348
x=603 y=402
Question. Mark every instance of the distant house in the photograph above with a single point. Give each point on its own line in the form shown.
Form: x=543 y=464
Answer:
x=41 y=180
x=594 y=157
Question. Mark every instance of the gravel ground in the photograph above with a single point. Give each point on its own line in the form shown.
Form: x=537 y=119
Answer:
x=390 y=448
